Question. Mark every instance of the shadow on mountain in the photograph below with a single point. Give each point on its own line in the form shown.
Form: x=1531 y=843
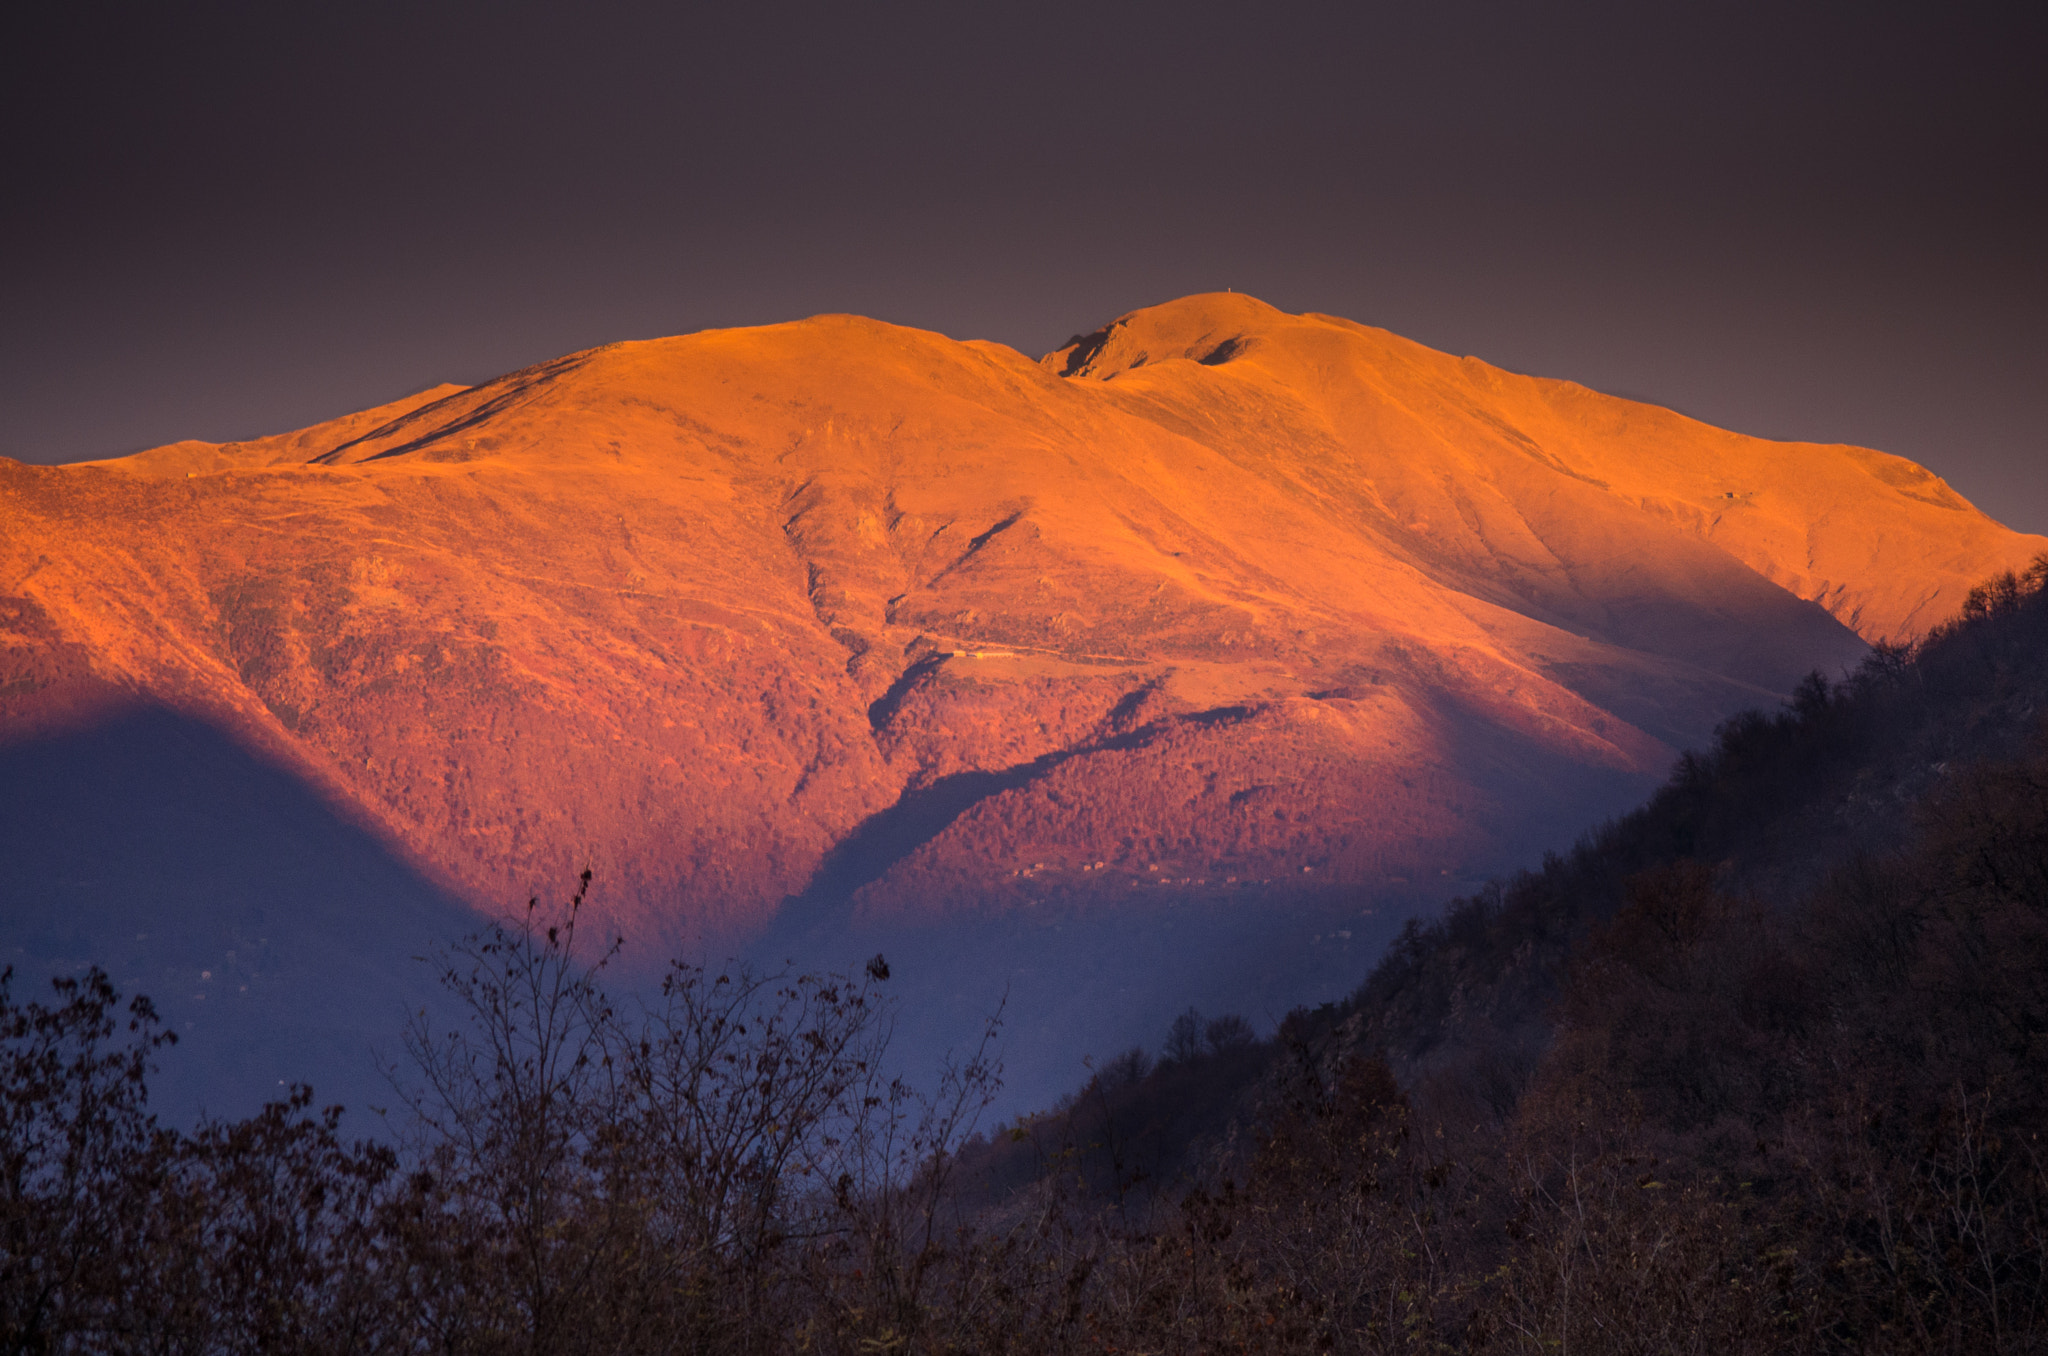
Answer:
x=882 y=709
x=888 y=836
x=279 y=940
x=1088 y=973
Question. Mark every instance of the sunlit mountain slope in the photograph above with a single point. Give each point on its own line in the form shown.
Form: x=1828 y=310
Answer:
x=839 y=619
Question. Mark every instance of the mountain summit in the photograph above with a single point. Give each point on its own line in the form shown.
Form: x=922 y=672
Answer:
x=836 y=623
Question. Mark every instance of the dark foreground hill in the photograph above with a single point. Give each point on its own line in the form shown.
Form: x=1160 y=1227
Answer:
x=1762 y=1067
x=1783 y=809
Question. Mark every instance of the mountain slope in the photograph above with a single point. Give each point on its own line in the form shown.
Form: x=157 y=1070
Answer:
x=838 y=625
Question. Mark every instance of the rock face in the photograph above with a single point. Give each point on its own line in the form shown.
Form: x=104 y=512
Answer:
x=836 y=621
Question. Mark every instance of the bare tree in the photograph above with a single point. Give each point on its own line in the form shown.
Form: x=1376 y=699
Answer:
x=76 y=1147
x=1228 y=1032
x=512 y=1114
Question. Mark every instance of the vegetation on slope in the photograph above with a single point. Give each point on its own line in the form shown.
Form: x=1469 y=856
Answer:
x=1780 y=800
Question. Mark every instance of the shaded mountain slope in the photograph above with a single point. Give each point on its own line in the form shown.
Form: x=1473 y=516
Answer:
x=276 y=937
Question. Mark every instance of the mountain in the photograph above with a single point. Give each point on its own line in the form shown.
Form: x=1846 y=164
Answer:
x=1201 y=651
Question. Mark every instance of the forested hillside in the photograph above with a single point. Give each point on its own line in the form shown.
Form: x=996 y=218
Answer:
x=1781 y=802
x=1760 y=1065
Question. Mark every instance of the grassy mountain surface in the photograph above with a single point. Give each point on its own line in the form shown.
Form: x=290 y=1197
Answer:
x=893 y=625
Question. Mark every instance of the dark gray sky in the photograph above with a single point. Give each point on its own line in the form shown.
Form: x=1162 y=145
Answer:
x=1798 y=221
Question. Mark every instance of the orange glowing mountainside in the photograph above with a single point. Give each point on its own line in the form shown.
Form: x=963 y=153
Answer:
x=1218 y=596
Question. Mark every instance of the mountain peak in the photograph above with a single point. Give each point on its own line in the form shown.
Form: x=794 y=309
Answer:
x=1208 y=327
